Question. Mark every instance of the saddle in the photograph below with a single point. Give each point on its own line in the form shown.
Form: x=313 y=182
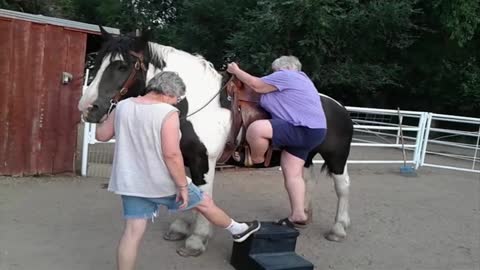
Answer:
x=245 y=109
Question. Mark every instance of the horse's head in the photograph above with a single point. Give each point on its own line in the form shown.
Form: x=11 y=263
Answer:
x=120 y=71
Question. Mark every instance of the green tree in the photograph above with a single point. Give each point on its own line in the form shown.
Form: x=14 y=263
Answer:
x=348 y=48
x=416 y=54
x=144 y=14
x=106 y=12
x=204 y=26
x=45 y=7
x=459 y=18
x=441 y=72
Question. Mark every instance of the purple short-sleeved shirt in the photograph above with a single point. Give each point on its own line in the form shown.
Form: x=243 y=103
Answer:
x=296 y=100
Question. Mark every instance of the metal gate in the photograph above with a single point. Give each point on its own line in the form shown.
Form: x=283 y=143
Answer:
x=452 y=148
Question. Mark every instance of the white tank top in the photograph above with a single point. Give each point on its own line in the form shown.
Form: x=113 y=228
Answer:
x=138 y=167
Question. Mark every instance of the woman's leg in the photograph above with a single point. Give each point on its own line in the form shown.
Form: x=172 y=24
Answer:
x=213 y=213
x=239 y=231
x=258 y=135
x=292 y=169
x=129 y=243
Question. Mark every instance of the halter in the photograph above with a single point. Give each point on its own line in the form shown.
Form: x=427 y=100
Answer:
x=138 y=66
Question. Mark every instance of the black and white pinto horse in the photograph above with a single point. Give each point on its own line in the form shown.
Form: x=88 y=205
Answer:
x=206 y=124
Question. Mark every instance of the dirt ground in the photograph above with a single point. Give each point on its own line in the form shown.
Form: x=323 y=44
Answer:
x=431 y=221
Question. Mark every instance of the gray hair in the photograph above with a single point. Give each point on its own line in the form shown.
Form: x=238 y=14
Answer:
x=287 y=62
x=167 y=83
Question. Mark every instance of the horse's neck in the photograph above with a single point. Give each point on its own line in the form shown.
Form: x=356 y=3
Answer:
x=201 y=79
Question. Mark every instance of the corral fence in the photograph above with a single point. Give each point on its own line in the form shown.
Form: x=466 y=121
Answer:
x=406 y=137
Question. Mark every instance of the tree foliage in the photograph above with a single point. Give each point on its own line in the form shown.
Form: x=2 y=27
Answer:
x=345 y=46
x=416 y=54
x=459 y=18
x=204 y=26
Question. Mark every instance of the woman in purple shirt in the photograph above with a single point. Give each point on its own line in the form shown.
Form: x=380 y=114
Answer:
x=297 y=126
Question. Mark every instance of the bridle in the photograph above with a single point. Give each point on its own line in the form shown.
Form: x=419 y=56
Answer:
x=139 y=66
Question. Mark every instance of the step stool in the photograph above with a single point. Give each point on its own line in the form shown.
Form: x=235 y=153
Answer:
x=271 y=248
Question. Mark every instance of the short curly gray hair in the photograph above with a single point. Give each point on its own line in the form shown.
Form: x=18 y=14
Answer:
x=167 y=83
x=287 y=62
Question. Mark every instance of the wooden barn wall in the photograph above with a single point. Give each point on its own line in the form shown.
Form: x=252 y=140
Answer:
x=38 y=114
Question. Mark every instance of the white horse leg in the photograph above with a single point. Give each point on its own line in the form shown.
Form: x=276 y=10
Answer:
x=197 y=242
x=342 y=220
x=180 y=228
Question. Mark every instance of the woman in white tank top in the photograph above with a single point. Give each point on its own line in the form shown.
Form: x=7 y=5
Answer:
x=148 y=168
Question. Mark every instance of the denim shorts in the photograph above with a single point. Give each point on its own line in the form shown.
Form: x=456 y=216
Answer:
x=296 y=140
x=146 y=208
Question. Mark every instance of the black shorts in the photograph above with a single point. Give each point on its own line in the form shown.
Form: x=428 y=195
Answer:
x=296 y=140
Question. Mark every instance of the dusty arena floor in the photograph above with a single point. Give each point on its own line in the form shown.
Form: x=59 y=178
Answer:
x=427 y=222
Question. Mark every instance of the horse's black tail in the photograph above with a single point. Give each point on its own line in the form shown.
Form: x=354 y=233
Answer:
x=325 y=167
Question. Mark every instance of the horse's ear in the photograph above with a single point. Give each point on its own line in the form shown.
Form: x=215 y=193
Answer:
x=105 y=34
x=146 y=35
x=143 y=39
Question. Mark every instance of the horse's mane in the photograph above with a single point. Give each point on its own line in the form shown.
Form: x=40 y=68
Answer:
x=160 y=53
x=157 y=54
x=117 y=46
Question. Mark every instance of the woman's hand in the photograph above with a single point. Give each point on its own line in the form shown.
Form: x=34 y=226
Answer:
x=182 y=196
x=106 y=130
x=233 y=68
x=253 y=82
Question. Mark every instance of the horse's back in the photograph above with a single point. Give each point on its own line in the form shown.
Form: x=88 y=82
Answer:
x=336 y=146
x=339 y=123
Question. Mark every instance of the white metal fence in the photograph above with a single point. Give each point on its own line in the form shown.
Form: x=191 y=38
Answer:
x=382 y=128
x=426 y=144
x=454 y=148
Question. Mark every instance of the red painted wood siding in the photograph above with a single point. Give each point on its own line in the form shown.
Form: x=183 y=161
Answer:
x=38 y=115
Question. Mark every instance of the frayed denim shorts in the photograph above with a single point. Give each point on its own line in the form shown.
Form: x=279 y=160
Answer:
x=147 y=208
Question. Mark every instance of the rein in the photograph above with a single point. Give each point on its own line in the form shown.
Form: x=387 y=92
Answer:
x=208 y=102
x=222 y=68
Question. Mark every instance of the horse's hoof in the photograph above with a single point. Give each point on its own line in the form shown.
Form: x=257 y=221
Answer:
x=187 y=252
x=333 y=237
x=336 y=234
x=174 y=236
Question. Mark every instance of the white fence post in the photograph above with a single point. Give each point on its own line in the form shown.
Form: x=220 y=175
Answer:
x=86 y=143
x=425 y=138
x=476 y=149
x=420 y=141
x=400 y=122
x=86 y=135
